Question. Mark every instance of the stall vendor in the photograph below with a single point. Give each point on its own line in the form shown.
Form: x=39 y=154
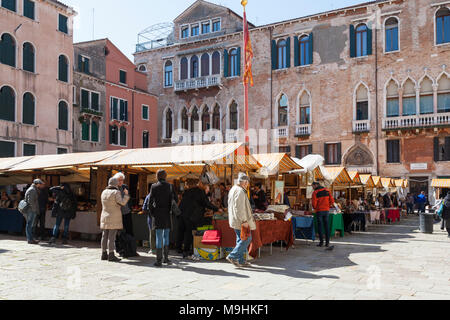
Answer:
x=259 y=197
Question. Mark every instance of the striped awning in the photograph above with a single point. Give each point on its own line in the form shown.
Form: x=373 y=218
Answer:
x=335 y=175
x=277 y=162
x=377 y=181
x=440 y=183
x=367 y=180
x=387 y=183
x=399 y=183
x=354 y=175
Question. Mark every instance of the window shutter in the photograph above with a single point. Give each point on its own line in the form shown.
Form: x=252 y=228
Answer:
x=339 y=153
x=94 y=131
x=80 y=63
x=274 y=55
x=388 y=151
x=239 y=61
x=297 y=152
x=110 y=135
x=288 y=52
x=296 y=52
x=311 y=48
x=86 y=66
x=126 y=110
x=447 y=149
x=325 y=153
x=85 y=131
x=369 y=39
x=310 y=149
x=436 y=148
x=352 y=42
x=225 y=63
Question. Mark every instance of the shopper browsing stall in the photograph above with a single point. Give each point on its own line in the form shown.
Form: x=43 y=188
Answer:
x=31 y=198
x=65 y=208
x=322 y=200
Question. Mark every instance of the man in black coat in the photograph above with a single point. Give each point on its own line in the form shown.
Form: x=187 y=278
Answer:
x=160 y=206
x=446 y=213
x=43 y=201
x=193 y=206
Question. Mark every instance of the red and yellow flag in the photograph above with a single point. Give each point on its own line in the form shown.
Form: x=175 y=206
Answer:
x=248 y=51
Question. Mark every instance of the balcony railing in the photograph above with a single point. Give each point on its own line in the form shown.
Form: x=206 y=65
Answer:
x=193 y=84
x=282 y=132
x=417 y=121
x=302 y=130
x=361 y=126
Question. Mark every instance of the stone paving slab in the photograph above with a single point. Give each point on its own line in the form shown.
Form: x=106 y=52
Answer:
x=387 y=262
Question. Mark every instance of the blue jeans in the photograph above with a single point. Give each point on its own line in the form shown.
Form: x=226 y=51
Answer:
x=58 y=224
x=241 y=247
x=162 y=238
x=322 y=222
x=421 y=207
x=410 y=208
x=31 y=217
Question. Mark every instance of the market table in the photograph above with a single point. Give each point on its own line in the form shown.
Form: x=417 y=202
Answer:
x=267 y=232
x=303 y=227
x=335 y=222
x=357 y=216
x=393 y=214
x=11 y=220
x=84 y=222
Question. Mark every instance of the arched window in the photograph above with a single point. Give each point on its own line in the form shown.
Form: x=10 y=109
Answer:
x=113 y=135
x=216 y=117
x=305 y=109
x=63 y=69
x=142 y=68
x=28 y=110
x=28 y=57
x=361 y=40
x=426 y=96
x=8 y=50
x=443 y=26
x=234 y=119
x=409 y=98
x=233 y=63
x=85 y=128
x=184 y=119
x=94 y=131
x=216 y=63
x=7 y=104
x=391 y=35
x=168 y=74
x=305 y=59
x=123 y=136
x=206 y=119
x=362 y=103
x=444 y=94
x=169 y=124
x=392 y=100
x=194 y=67
x=205 y=65
x=282 y=54
x=195 y=119
x=283 y=111
x=63 y=116
x=183 y=69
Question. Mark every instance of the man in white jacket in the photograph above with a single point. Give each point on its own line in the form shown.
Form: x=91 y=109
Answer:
x=240 y=214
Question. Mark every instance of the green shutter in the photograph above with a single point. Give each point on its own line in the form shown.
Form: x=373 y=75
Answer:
x=8 y=104
x=225 y=63
x=86 y=66
x=28 y=109
x=63 y=116
x=288 y=52
x=310 y=149
x=436 y=149
x=9 y=4
x=29 y=150
x=94 y=131
x=80 y=63
x=296 y=52
x=311 y=48
x=339 y=153
x=28 y=57
x=7 y=149
x=297 y=150
x=274 y=55
x=325 y=154
x=352 y=42
x=369 y=39
x=85 y=131
x=63 y=69
x=95 y=101
x=28 y=9
x=63 y=24
x=8 y=50
x=239 y=61
x=84 y=99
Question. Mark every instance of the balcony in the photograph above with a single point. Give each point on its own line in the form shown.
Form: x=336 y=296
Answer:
x=199 y=83
x=302 y=130
x=282 y=132
x=361 y=126
x=417 y=121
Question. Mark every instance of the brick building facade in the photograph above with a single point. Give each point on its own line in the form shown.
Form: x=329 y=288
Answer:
x=366 y=86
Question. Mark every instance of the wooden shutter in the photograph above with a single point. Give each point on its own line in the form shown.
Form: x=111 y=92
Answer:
x=325 y=154
x=86 y=66
x=311 y=48
x=352 y=42
x=85 y=131
x=94 y=131
x=436 y=148
x=239 y=61
x=296 y=52
x=274 y=55
x=63 y=76
x=28 y=9
x=288 y=52
x=297 y=152
x=94 y=101
x=225 y=63
x=339 y=153
x=8 y=104
x=28 y=109
x=110 y=135
x=80 y=63
x=28 y=57
x=447 y=149
x=369 y=39
x=310 y=149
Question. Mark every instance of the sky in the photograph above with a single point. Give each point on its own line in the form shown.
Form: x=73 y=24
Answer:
x=121 y=21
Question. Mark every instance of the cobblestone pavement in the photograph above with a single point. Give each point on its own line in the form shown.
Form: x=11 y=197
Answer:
x=387 y=262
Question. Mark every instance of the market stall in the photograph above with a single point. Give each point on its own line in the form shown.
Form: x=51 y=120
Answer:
x=441 y=187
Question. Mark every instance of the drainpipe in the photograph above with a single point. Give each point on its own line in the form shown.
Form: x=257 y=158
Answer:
x=376 y=102
x=132 y=117
x=271 y=89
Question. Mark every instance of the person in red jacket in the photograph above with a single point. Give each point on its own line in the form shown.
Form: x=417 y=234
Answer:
x=322 y=201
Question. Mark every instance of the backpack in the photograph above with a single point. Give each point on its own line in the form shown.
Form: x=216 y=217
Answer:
x=66 y=203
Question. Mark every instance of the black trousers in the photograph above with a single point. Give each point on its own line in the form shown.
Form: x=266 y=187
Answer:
x=188 y=227
x=128 y=224
x=179 y=233
x=40 y=220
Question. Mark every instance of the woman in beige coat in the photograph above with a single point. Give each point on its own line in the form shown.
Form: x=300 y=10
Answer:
x=111 y=218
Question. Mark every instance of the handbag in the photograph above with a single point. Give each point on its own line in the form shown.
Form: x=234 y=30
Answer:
x=175 y=210
x=245 y=233
x=23 y=208
x=212 y=238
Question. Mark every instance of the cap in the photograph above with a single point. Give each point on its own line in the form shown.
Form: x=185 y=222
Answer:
x=243 y=177
x=38 y=181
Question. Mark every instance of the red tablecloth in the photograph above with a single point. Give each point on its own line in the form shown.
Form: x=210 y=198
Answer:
x=266 y=232
x=394 y=214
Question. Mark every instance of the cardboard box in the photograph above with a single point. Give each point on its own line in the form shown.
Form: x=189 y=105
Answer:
x=198 y=243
